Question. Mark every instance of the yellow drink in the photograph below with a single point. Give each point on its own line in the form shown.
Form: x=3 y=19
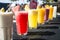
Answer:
x=32 y=18
x=51 y=13
x=41 y=14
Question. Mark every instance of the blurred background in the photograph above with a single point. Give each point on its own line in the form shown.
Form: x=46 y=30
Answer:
x=48 y=31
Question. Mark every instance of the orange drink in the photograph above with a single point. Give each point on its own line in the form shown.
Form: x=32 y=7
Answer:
x=41 y=14
x=51 y=13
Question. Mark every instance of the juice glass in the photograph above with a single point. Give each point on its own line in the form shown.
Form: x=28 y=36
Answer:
x=21 y=22
x=51 y=13
x=41 y=14
x=32 y=18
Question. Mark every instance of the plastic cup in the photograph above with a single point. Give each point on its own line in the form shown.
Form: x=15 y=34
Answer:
x=51 y=13
x=21 y=22
x=41 y=15
x=6 y=24
x=46 y=14
x=54 y=11
x=32 y=18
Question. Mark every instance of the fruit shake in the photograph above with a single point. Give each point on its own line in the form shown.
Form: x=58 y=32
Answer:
x=54 y=11
x=6 y=23
x=46 y=14
x=32 y=18
x=41 y=14
x=21 y=22
x=6 y=19
x=51 y=13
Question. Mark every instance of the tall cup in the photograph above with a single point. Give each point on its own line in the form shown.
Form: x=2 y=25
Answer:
x=51 y=13
x=54 y=11
x=41 y=14
x=46 y=14
x=6 y=23
x=21 y=22
x=32 y=18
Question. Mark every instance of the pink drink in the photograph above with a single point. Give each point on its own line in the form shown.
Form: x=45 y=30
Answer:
x=22 y=22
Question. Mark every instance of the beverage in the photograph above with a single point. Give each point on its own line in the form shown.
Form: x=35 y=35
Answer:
x=26 y=7
x=51 y=13
x=6 y=19
x=54 y=11
x=21 y=22
x=32 y=18
x=41 y=14
x=6 y=23
x=46 y=14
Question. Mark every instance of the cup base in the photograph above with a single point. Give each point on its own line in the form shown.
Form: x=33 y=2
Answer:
x=32 y=28
x=41 y=23
x=23 y=34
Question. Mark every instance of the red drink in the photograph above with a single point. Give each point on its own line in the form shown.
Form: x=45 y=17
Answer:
x=46 y=14
x=22 y=22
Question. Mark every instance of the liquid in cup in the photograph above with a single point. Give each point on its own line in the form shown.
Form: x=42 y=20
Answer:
x=21 y=22
x=32 y=18
x=6 y=23
x=41 y=14
x=54 y=11
x=51 y=13
x=46 y=14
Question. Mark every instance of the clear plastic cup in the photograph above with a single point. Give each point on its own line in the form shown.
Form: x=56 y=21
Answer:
x=32 y=18
x=6 y=24
x=22 y=22
x=41 y=15
x=54 y=11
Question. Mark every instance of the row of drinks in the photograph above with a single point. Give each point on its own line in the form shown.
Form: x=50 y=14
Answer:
x=32 y=17
x=41 y=15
